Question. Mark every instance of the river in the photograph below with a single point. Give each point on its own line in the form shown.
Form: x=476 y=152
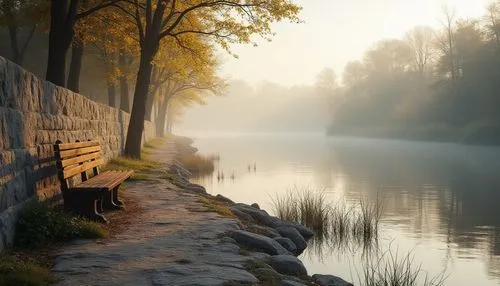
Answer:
x=441 y=202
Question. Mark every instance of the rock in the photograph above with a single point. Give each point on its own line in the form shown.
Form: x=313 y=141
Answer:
x=194 y=274
x=330 y=280
x=196 y=188
x=221 y=198
x=179 y=170
x=264 y=218
x=288 y=244
x=294 y=235
x=260 y=216
x=291 y=283
x=264 y=230
x=267 y=275
x=288 y=265
x=242 y=215
x=304 y=231
x=255 y=205
x=227 y=239
x=259 y=242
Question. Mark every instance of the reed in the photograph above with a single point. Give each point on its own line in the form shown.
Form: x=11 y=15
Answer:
x=391 y=269
x=340 y=224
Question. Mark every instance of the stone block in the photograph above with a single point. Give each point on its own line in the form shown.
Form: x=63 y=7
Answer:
x=8 y=220
x=48 y=98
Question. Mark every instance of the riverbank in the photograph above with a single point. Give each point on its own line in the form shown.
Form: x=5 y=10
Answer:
x=476 y=133
x=179 y=235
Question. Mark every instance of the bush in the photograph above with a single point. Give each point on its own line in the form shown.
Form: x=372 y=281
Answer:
x=39 y=224
x=21 y=273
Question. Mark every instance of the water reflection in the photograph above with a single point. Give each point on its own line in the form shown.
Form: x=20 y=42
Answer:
x=440 y=200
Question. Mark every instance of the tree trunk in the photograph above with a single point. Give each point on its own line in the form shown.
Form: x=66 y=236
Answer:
x=62 y=20
x=150 y=102
x=161 y=117
x=136 y=124
x=16 y=55
x=112 y=94
x=149 y=47
x=124 y=90
x=75 y=66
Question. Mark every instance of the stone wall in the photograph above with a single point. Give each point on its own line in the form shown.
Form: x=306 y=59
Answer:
x=33 y=115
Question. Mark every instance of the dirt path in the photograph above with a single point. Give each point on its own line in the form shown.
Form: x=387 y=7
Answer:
x=172 y=240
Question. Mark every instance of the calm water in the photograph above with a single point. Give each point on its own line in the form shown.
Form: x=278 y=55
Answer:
x=441 y=201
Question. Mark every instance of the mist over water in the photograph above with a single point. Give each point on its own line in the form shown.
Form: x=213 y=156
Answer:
x=440 y=200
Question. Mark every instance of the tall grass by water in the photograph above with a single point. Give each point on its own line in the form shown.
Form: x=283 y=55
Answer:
x=391 y=269
x=351 y=226
x=340 y=224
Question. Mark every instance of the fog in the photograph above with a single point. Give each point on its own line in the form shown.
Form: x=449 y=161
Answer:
x=268 y=107
x=423 y=70
x=335 y=32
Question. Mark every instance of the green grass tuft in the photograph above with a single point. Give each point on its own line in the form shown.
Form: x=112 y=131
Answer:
x=20 y=273
x=142 y=168
x=40 y=224
x=216 y=206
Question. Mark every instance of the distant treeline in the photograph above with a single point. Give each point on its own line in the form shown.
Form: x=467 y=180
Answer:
x=439 y=85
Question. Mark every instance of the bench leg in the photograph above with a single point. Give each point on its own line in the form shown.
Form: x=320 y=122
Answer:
x=111 y=201
x=85 y=204
x=116 y=200
x=94 y=215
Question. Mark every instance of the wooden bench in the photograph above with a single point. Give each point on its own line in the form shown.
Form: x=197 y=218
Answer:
x=88 y=196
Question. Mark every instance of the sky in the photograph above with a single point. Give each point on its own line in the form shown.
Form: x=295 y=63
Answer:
x=334 y=32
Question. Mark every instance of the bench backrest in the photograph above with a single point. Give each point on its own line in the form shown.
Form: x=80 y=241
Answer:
x=76 y=159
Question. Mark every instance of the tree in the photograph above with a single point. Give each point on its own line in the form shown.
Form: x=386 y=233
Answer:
x=326 y=81
x=64 y=15
x=226 y=22
x=354 y=74
x=388 y=58
x=492 y=18
x=421 y=41
x=326 y=84
x=125 y=61
x=180 y=71
x=446 y=44
x=21 y=16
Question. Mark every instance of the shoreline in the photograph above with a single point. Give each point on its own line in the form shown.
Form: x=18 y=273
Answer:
x=185 y=236
x=259 y=234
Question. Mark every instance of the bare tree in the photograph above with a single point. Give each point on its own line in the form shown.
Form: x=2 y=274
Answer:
x=421 y=41
x=492 y=21
x=447 y=43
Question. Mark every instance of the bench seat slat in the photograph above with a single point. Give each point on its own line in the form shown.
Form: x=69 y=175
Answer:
x=69 y=172
x=107 y=180
x=67 y=146
x=72 y=161
x=80 y=151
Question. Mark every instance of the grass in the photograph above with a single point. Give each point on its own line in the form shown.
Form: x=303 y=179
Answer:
x=155 y=143
x=16 y=272
x=198 y=164
x=341 y=225
x=390 y=269
x=40 y=224
x=216 y=206
x=142 y=168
